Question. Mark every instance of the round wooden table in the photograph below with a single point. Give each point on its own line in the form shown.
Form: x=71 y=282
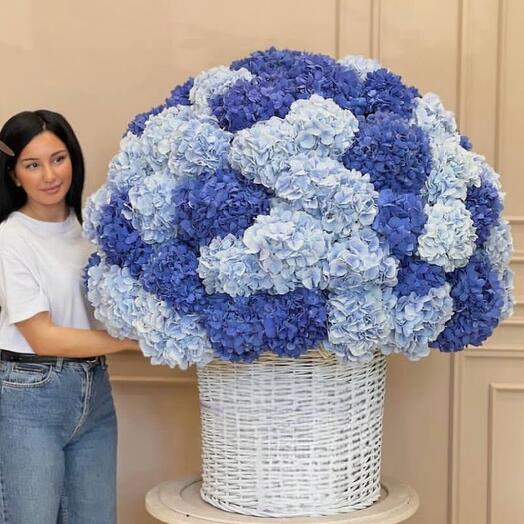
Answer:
x=179 y=501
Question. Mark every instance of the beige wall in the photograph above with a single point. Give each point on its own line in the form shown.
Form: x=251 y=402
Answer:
x=453 y=426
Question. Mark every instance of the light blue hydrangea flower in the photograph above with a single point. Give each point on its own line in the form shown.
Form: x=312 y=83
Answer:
x=417 y=321
x=170 y=338
x=453 y=170
x=93 y=209
x=360 y=64
x=358 y=323
x=448 y=238
x=213 y=82
x=157 y=136
x=112 y=290
x=225 y=266
x=508 y=285
x=198 y=145
x=262 y=152
x=128 y=311
x=322 y=126
x=431 y=115
x=499 y=246
x=343 y=200
x=361 y=259
x=291 y=247
x=488 y=174
x=151 y=209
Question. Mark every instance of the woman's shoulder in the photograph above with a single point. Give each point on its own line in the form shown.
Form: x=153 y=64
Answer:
x=12 y=234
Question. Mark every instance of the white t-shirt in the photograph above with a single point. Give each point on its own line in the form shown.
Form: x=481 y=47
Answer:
x=41 y=267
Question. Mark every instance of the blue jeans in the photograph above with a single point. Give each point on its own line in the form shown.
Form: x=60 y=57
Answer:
x=58 y=438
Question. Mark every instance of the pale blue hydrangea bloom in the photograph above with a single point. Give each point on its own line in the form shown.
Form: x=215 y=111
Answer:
x=129 y=165
x=128 y=311
x=225 y=266
x=499 y=246
x=151 y=210
x=93 y=210
x=198 y=145
x=361 y=259
x=448 y=238
x=417 y=321
x=488 y=174
x=262 y=152
x=158 y=134
x=358 y=322
x=430 y=114
x=291 y=247
x=213 y=82
x=353 y=205
x=168 y=337
x=453 y=170
x=322 y=126
x=360 y=64
x=112 y=290
x=344 y=200
x=508 y=285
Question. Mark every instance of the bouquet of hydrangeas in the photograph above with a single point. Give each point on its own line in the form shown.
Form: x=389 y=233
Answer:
x=292 y=201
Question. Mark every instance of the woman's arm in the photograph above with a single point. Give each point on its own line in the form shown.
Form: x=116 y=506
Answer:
x=46 y=338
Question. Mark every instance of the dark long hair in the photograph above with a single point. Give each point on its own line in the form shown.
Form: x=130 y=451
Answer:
x=17 y=132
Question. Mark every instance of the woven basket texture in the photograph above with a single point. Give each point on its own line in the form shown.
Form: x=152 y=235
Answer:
x=292 y=437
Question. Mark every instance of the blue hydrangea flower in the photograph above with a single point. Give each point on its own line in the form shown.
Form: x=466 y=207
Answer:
x=171 y=275
x=92 y=211
x=291 y=201
x=395 y=154
x=241 y=328
x=179 y=96
x=279 y=81
x=216 y=204
x=213 y=82
x=477 y=304
x=120 y=242
x=385 y=92
x=485 y=207
x=138 y=124
x=417 y=277
x=465 y=142
x=400 y=220
x=449 y=237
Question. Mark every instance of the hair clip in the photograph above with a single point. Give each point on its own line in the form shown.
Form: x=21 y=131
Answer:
x=6 y=149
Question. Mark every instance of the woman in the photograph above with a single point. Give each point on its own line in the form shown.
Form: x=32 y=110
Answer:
x=57 y=420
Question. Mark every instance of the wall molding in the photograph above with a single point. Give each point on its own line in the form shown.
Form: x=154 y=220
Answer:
x=153 y=381
x=495 y=390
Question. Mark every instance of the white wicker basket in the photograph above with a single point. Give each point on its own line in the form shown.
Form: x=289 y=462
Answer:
x=292 y=437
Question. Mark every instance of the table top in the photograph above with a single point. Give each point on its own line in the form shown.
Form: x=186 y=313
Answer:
x=179 y=501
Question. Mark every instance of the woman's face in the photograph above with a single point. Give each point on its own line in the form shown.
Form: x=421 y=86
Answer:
x=44 y=171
